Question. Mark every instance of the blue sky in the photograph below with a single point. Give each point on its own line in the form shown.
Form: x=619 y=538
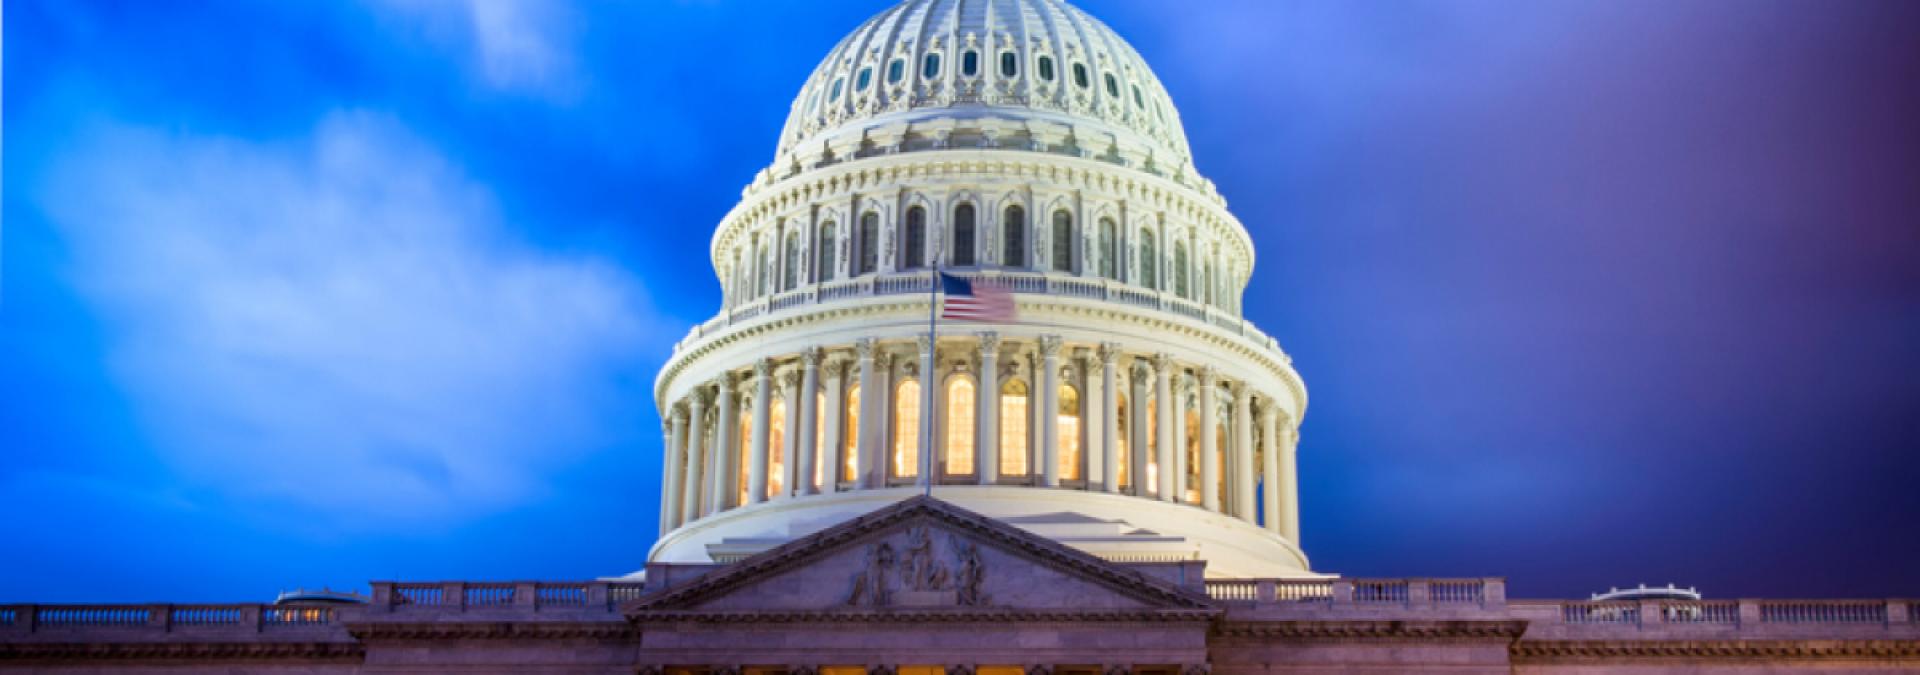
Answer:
x=1585 y=293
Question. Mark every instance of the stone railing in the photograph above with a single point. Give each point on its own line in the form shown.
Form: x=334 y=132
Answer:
x=1372 y=595
x=576 y=596
x=1086 y=288
x=1748 y=618
x=209 y=620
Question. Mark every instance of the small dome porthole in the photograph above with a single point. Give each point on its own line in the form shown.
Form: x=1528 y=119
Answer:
x=895 y=70
x=1044 y=66
x=1009 y=64
x=1080 y=75
x=931 y=67
x=970 y=63
x=863 y=79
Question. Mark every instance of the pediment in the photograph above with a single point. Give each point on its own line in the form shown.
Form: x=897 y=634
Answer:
x=926 y=557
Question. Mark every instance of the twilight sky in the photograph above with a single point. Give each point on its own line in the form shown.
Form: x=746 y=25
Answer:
x=1584 y=293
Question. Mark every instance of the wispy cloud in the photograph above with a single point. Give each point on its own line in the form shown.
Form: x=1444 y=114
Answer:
x=518 y=46
x=343 y=322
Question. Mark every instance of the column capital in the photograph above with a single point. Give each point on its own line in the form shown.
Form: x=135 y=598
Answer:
x=810 y=357
x=1208 y=376
x=925 y=342
x=719 y=382
x=989 y=344
x=1109 y=352
x=836 y=368
x=1269 y=413
x=789 y=379
x=1163 y=363
x=1142 y=373
x=762 y=368
x=1241 y=391
x=1049 y=346
x=863 y=348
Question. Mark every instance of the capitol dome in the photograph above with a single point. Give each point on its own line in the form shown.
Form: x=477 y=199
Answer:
x=1124 y=407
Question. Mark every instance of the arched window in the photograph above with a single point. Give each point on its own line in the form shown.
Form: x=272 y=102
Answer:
x=869 y=242
x=963 y=235
x=764 y=270
x=1153 y=446
x=906 y=429
x=1113 y=86
x=1068 y=425
x=1062 y=241
x=1220 y=460
x=895 y=70
x=1109 y=251
x=1121 y=419
x=960 y=447
x=743 y=458
x=970 y=63
x=823 y=265
x=1149 y=261
x=1192 y=458
x=914 y=253
x=1180 y=268
x=777 y=449
x=1044 y=65
x=790 y=277
x=930 y=68
x=1009 y=64
x=851 y=431
x=1080 y=75
x=819 y=440
x=1013 y=428
x=1014 y=235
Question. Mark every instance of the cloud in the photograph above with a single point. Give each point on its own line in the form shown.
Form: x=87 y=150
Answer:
x=517 y=46
x=344 y=323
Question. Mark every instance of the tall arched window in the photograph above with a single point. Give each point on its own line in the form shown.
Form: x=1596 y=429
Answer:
x=963 y=235
x=1149 y=261
x=743 y=458
x=765 y=269
x=823 y=259
x=1152 y=419
x=1014 y=236
x=1013 y=428
x=930 y=68
x=1207 y=282
x=1121 y=419
x=1192 y=458
x=914 y=253
x=851 y=431
x=1062 y=241
x=970 y=63
x=819 y=440
x=906 y=429
x=1068 y=424
x=869 y=242
x=960 y=447
x=1180 y=268
x=1109 y=251
x=790 y=277
x=1220 y=460
x=777 y=449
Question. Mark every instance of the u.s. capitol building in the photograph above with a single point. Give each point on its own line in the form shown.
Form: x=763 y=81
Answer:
x=1101 y=483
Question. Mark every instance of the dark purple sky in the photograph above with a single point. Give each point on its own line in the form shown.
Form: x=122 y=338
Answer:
x=1584 y=293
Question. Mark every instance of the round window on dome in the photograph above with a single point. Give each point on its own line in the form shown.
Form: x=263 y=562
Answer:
x=863 y=79
x=1113 y=86
x=1009 y=64
x=930 y=68
x=1044 y=65
x=1080 y=75
x=896 y=70
x=970 y=63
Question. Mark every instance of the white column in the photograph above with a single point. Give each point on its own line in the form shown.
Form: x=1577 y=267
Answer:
x=1243 y=476
x=986 y=413
x=789 y=441
x=929 y=381
x=1269 y=467
x=690 y=493
x=1110 y=458
x=834 y=420
x=1049 y=410
x=1164 y=405
x=762 y=416
x=674 y=483
x=1209 y=443
x=809 y=394
x=872 y=404
x=724 y=459
x=1137 y=443
x=1289 y=485
x=1090 y=425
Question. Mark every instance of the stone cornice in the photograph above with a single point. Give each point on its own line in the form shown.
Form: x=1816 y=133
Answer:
x=1160 y=594
x=1546 y=651
x=866 y=308
x=491 y=630
x=910 y=616
x=163 y=652
x=1370 y=629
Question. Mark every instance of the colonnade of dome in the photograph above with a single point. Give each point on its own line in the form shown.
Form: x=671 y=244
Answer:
x=1044 y=413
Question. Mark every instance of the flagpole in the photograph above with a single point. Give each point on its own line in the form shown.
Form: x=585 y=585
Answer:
x=926 y=378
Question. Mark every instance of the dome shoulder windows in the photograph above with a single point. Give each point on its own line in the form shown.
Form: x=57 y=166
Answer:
x=833 y=95
x=1009 y=64
x=896 y=70
x=930 y=67
x=970 y=63
x=1043 y=66
x=864 y=78
x=1113 y=86
x=1080 y=78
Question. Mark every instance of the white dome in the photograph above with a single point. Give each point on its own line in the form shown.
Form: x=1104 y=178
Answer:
x=1020 y=60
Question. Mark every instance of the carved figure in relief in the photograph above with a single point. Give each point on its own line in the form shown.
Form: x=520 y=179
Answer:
x=971 y=574
x=870 y=586
x=919 y=569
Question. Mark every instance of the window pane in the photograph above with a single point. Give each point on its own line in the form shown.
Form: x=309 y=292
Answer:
x=850 y=454
x=869 y=242
x=906 y=430
x=916 y=244
x=1120 y=444
x=896 y=70
x=835 y=95
x=960 y=422
x=823 y=265
x=931 y=68
x=1062 y=241
x=1113 y=86
x=1015 y=237
x=1046 y=68
x=970 y=63
x=1069 y=428
x=819 y=439
x=861 y=80
x=1080 y=75
x=1013 y=429
x=1009 y=64
x=963 y=235
x=777 y=450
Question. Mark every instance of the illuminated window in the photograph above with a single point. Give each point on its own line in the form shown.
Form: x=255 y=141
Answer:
x=777 y=449
x=819 y=439
x=1015 y=229
x=906 y=430
x=744 y=459
x=1192 y=452
x=1153 y=447
x=1120 y=444
x=960 y=404
x=1013 y=428
x=1069 y=427
x=852 y=433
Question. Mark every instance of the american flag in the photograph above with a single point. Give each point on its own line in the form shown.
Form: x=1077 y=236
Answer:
x=969 y=300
